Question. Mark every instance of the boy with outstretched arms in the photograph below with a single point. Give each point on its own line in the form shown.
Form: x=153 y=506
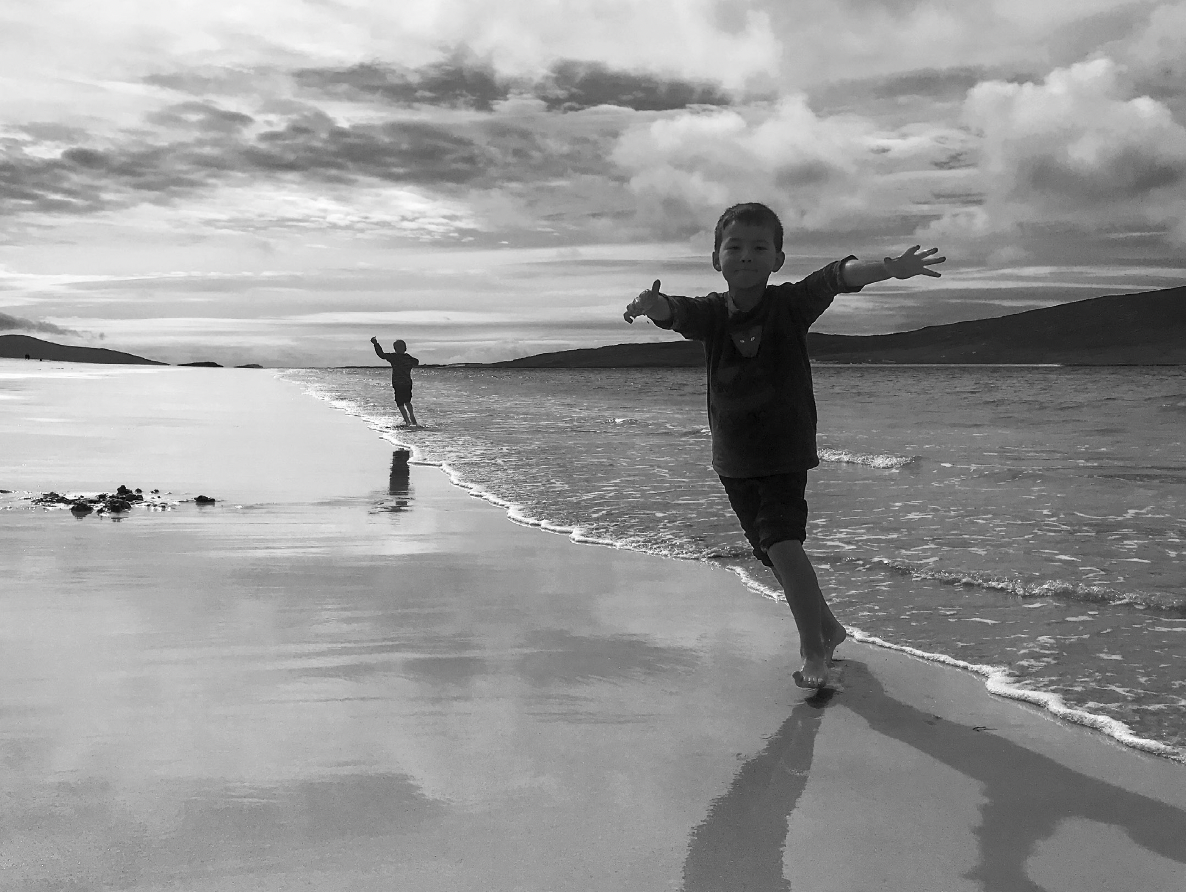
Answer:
x=401 y=376
x=761 y=406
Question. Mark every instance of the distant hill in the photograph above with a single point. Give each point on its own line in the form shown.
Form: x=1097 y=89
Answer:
x=18 y=346
x=1146 y=328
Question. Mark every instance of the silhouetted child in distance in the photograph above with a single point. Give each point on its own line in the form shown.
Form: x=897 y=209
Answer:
x=401 y=376
x=761 y=406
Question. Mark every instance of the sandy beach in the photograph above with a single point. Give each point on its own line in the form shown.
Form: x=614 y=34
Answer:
x=348 y=675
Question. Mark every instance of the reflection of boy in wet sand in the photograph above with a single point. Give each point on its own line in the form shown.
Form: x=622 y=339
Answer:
x=401 y=376
x=761 y=407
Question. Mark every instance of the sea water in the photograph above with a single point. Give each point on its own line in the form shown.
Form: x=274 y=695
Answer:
x=1024 y=523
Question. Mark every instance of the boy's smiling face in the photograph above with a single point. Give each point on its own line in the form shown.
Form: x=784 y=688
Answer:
x=747 y=256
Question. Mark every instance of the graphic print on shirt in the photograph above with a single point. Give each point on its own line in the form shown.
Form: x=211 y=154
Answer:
x=747 y=340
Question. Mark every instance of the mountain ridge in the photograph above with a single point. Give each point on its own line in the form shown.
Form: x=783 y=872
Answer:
x=1139 y=328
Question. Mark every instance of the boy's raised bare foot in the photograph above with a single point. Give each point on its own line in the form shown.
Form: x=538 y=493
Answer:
x=814 y=673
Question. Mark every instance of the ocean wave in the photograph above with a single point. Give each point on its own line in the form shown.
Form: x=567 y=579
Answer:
x=887 y=462
x=1049 y=588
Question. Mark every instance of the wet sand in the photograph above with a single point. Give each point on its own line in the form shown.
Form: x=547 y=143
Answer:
x=347 y=676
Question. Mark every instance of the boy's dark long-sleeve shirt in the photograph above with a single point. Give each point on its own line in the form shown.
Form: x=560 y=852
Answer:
x=761 y=405
x=401 y=365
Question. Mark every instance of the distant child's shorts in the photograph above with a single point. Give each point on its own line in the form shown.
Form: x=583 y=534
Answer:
x=771 y=509
x=403 y=392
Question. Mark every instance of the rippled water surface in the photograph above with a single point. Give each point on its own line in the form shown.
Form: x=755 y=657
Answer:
x=1027 y=519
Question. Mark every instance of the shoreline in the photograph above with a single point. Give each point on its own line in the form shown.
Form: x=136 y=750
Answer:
x=997 y=680
x=351 y=677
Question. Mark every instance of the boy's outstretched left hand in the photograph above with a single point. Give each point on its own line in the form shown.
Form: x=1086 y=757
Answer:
x=912 y=262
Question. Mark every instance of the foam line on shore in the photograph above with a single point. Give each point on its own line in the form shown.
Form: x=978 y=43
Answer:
x=998 y=679
x=514 y=511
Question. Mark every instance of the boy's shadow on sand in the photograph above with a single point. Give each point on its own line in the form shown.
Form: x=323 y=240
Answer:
x=739 y=845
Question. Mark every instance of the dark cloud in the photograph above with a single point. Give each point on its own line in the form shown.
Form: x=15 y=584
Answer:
x=1133 y=172
x=454 y=82
x=199 y=144
x=201 y=116
x=404 y=152
x=463 y=82
x=907 y=89
x=932 y=83
x=572 y=85
x=205 y=145
x=16 y=323
x=955 y=161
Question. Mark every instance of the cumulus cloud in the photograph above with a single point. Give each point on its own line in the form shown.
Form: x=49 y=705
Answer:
x=837 y=173
x=1155 y=54
x=1076 y=151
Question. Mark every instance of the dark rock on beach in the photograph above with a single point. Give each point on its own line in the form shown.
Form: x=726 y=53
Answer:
x=124 y=499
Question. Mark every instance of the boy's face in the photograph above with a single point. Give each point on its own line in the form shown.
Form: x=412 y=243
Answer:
x=747 y=256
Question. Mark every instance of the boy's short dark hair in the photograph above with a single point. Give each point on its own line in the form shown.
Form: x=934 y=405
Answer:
x=399 y=345
x=753 y=214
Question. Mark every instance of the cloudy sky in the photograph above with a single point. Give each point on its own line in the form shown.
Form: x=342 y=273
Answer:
x=274 y=181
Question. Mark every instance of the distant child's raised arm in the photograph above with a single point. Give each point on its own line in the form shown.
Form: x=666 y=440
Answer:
x=910 y=263
x=651 y=303
x=378 y=349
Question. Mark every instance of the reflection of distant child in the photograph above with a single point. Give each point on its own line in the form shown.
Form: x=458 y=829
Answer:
x=401 y=376
x=761 y=406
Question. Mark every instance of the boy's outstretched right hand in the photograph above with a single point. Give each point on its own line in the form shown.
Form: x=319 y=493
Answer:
x=642 y=305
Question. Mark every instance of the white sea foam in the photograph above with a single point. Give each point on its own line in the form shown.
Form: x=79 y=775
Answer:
x=999 y=681
x=881 y=462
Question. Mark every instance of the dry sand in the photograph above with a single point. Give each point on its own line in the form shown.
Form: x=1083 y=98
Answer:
x=343 y=678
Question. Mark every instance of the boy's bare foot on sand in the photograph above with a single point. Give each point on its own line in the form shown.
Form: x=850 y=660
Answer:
x=814 y=673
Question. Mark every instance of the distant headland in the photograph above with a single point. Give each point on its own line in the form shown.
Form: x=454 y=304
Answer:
x=1145 y=328
x=26 y=347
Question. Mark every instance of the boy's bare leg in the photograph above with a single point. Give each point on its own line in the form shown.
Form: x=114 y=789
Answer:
x=409 y=413
x=831 y=628
x=819 y=631
x=403 y=412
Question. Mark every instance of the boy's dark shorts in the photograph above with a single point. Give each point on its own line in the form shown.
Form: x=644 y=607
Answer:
x=403 y=392
x=770 y=509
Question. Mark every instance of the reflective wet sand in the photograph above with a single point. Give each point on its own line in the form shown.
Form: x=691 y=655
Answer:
x=347 y=676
